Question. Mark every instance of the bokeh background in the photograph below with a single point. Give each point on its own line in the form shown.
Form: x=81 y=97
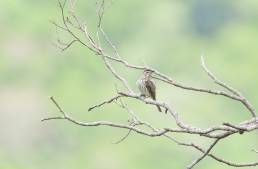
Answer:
x=168 y=35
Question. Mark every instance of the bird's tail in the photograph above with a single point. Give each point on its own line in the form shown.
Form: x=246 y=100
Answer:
x=159 y=108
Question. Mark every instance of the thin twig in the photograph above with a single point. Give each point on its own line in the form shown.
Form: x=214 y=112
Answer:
x=57 y=105
x=69 y=44
x=105 y=102
x=241 y=129
x=203 y=155
x=123 y=138
x=53 y=118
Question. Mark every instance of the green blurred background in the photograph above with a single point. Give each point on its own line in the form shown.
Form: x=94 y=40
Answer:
x=168 y=35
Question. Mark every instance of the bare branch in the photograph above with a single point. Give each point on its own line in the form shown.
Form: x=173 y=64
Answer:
x=233 y=164
x=123 y=138
x=241 y=129
x=69 y=44
x=232 y=90
x=53 y=118
x=101 y=12
x=105 y=102
x=58 y=26
x=155 y=132
x=204 y=155
x=57 y=105
x=89 y=37
x=69 y=30
x=110 y=42
x=120 y=78
x=216 y=80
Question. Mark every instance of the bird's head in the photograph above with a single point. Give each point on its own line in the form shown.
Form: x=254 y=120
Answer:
x=147 y=72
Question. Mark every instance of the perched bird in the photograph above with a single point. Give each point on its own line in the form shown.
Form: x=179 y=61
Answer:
x=147 y=86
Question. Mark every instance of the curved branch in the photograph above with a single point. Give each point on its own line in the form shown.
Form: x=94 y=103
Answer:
x=229 y=88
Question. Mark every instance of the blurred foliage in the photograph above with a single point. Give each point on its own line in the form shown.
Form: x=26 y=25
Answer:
x=168 y=35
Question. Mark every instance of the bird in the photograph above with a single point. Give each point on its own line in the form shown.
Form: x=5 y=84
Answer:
x=147 y=86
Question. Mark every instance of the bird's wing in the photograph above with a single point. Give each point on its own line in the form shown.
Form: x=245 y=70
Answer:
x=151 y=88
